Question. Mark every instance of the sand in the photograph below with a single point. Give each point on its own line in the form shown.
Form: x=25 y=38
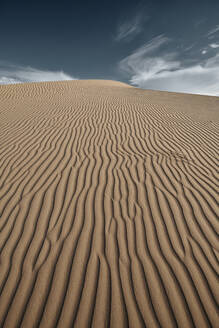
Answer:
x=108 y=206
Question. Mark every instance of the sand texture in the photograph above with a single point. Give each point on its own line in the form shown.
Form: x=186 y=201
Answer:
x=108 y=206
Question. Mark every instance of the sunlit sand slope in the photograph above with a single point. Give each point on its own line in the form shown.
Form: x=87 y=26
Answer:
x=108 y=206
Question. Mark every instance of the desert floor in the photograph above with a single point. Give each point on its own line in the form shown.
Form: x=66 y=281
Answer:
x=108 y=206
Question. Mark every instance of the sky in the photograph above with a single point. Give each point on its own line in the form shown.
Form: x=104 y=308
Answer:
x=168 y=45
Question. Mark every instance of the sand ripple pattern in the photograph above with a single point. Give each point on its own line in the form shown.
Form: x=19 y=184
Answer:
x=108 y=207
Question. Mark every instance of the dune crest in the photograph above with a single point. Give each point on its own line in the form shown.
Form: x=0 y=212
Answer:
x=108 y=206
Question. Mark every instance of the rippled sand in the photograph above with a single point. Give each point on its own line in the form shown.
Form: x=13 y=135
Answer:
x=108 y=206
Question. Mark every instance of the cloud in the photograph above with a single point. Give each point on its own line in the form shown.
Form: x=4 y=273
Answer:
x=214 y=45
x=150 y=68
x=141 y=59
x=130 y=28
x=213 y=31
x=10 y=74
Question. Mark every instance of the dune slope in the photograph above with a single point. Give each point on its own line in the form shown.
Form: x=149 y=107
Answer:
x=108 y=206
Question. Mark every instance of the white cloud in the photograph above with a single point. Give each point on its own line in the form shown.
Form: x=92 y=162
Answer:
x=214 y=30
x=10 y=74
x=141 y=59
x=8 y=80
x=151 y=70
x=131 y=27
x=214 y=45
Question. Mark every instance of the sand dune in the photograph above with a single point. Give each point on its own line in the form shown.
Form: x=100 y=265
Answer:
x=108 y=206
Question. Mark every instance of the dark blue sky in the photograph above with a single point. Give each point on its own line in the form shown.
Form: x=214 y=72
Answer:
x=144 y=43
